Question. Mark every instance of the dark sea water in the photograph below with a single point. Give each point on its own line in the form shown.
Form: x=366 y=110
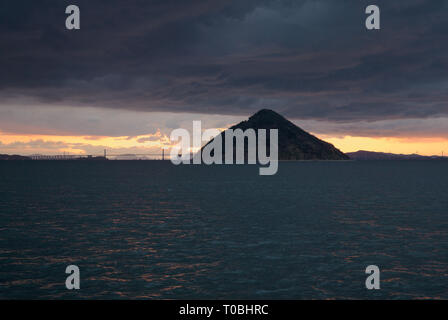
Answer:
x=149 y=229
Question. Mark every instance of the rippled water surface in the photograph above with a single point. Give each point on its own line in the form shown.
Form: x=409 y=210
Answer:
x=148 y=229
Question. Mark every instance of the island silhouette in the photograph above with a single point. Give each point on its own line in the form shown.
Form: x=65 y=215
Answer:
x=294 y=143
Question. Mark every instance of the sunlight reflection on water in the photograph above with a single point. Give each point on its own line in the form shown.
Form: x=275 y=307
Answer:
x=151 y=230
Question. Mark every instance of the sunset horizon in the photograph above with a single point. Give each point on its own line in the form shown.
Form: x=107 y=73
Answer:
x=360 y=89
x=151 y=142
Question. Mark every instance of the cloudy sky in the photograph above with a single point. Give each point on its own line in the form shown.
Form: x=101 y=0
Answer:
x=139 y=68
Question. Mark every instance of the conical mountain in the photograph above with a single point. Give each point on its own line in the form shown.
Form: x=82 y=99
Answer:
x=293 y=142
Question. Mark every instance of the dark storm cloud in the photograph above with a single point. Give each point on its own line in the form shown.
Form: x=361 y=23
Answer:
x=307 y=59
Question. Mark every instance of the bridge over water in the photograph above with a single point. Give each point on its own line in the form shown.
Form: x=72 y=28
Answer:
x=112 y=156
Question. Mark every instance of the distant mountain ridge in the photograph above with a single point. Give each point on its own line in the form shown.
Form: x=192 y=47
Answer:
x=371 y=155
x=13 y=157
x=293 y=142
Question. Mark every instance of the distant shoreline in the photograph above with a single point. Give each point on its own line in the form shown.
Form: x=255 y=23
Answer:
x=353 y=156
x=167 y=160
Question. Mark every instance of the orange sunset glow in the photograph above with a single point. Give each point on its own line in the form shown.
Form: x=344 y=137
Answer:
x=151 y=143
x=81 y=145
x=423 y=146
